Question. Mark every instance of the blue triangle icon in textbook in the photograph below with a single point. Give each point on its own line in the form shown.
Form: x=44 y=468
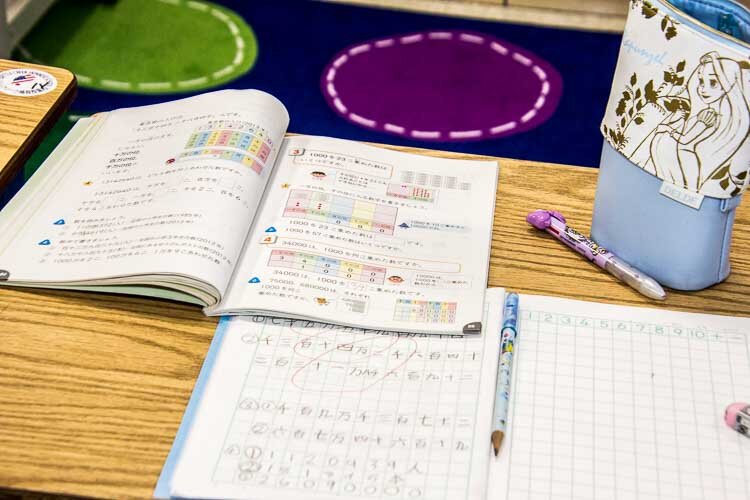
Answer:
x=60 y=222
x=45 y=242
x=254 y=280
x=271 y=230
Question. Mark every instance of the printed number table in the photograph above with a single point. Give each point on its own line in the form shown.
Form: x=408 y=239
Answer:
x=93 y=386
x=212 y=139
x=327 y=265
x=26 y=119
x=340 y=210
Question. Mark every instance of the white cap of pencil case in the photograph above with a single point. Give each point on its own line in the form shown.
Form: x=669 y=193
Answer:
x=676 y=151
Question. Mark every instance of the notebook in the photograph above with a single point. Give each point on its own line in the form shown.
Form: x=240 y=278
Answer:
x=607 y=402
x=625 y=403
x=290 y=410
x=204 y=200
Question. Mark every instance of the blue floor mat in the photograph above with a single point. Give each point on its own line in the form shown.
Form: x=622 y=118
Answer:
x=298 y=39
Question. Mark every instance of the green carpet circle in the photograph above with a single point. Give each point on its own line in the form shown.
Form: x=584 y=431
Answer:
x=143 y=46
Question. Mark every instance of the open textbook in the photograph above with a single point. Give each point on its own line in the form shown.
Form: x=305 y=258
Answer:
x=204 y=200
x=606 y=402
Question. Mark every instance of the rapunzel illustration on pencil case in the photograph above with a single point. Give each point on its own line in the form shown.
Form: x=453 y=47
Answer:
x=692 y=132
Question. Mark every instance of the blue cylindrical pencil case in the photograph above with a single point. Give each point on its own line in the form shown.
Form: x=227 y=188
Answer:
x=676 y=152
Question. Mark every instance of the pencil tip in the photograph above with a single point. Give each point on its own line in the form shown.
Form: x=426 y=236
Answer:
x=497 y=440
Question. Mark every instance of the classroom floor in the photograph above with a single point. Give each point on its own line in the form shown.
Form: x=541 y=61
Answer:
x=144 y=56
x=467 y=85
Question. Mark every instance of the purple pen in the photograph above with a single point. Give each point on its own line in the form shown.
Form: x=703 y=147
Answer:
x=554 y=223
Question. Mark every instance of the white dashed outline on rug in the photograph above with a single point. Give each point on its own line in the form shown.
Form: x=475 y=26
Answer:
x=215 y=77
x=434 y=134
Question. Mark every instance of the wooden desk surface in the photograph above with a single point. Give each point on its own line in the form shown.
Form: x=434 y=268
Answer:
x=93 y=386
x=25 y=120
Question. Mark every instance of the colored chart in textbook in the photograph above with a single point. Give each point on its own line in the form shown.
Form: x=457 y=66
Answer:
x=425 y=311
x=241 y=142
x=224 y=154
x=325 y=265
x=342 y=210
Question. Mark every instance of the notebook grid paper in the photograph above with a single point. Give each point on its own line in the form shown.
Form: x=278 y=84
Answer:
x=609 y=405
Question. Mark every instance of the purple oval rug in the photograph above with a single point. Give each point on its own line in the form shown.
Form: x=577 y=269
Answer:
x=445 y=86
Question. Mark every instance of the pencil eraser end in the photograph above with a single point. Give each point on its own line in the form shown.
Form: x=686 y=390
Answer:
x=730 y=414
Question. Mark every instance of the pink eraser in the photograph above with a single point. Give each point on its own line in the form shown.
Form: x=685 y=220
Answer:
x=730 y=414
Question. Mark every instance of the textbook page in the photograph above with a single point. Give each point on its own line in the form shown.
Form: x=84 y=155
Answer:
x=167 y=190
x=624 y=402
x=294 y=409
x=369 y=237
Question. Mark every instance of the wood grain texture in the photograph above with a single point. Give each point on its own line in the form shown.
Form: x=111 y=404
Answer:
x=605 y=7
x=605 y=18
x=92 y=389
x=93 y=386
x=24 y=121
x=591 y=15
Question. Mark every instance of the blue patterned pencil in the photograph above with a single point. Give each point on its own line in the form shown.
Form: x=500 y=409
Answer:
x=507 y=340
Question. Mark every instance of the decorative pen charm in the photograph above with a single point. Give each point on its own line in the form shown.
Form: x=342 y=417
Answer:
x=554 y=223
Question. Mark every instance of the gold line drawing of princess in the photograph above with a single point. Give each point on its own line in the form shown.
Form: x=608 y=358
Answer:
x=696 y=146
